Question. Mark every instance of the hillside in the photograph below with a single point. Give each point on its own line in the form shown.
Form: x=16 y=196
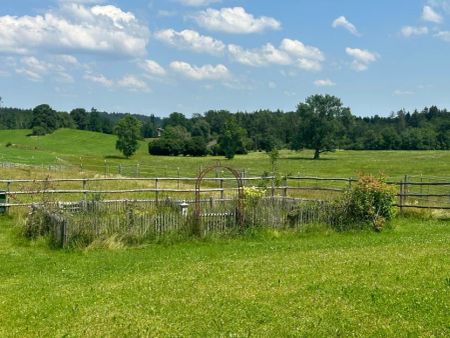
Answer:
x=62 y=145
x=94 y=150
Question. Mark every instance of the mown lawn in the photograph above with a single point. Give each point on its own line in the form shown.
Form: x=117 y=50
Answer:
x=316 y=283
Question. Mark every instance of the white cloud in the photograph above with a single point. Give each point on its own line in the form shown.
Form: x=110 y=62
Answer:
x=206 y=72
x=290 y=52
x=361 y=58
x=443 y=35
x=409 y=31
x=263 y=56
x=99 y=79
x=324 y=83
x=197 y=3
x=75 y=28
x=309 y=65
x=399 y=92
x=166 y=14
x=428 y=14
x=153 y=68
x=442 y=4
x=245 y=56
x=192 y=40
x=234 y=20
x=37 y=70
x=69 y=59
x=298 y=49
x=343 y=22
x=133 y=83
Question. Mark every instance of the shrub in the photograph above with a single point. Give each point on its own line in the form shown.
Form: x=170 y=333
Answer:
x=369 y=204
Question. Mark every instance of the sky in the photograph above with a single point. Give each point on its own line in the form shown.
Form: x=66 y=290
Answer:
x=190 y=56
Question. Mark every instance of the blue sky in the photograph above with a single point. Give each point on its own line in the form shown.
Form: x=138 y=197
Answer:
x=157 y=57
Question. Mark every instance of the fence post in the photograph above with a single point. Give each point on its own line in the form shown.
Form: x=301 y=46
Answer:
x=405 y=190
x=63 y=233
x=285 y=186
x=273 y=186
x=402 y=188
x=350 y=179
x=84 y=190
x=222 y=193
x=156 y=192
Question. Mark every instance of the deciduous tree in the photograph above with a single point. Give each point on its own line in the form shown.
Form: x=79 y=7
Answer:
x=322 y=118
x=128 y=130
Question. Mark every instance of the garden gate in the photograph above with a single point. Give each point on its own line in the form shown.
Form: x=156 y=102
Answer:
x=231 y=211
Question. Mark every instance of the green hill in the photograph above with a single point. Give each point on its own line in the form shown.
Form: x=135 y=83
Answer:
x=64 y=145
x=72 y=147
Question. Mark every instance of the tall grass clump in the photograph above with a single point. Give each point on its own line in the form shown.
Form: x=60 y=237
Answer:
x=368 y=205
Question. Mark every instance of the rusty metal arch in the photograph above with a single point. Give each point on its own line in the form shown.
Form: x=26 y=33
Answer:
x=240 y=201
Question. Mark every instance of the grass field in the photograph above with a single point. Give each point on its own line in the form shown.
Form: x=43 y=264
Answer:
x=66 y=146
x=316 y=283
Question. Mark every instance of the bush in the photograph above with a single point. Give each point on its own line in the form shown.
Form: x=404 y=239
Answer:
x=369 y=204
x=38 y=131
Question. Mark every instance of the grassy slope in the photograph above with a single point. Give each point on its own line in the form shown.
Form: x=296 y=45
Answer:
x=395 y=283
x=67 y=146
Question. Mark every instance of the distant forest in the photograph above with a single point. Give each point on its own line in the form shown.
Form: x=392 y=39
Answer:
x=262 y=130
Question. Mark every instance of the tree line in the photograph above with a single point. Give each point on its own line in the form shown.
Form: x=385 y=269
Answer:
x=321 y=123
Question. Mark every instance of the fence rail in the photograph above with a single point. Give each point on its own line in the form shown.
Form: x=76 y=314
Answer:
x=23 y=192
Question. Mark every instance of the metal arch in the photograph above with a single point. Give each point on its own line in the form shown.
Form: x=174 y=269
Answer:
x=240 y=202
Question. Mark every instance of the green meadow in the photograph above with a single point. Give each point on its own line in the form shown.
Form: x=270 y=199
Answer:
x=74 y=147
x=313 y=282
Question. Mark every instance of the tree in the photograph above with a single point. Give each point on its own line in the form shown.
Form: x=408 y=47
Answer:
x=321 y=122
x=44 y=120
x=81 y=118
x=232 y=141
x=128 y=131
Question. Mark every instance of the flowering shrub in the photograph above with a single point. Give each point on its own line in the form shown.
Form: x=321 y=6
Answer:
x=252 y=195
x=368 y=204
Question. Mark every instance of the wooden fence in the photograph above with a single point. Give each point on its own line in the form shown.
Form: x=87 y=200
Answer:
x=413 y=192
x=136 y=221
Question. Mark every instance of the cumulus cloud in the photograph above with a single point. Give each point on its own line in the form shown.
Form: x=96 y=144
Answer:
x=361 y=58
x=324 y=83
x=75 y=27
x=429 y=14
x=300 y=50
x=130 y=82
x=263 y=56
x=192 y=40
x=153 y=68
x=133 y=83
x=37 y=70
x=344 y=23
x=290 y=52
x=409 y=31
x=206 y=72
x=234 y=20
x=443 y=35
x=99 y=79
x=197 y=3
